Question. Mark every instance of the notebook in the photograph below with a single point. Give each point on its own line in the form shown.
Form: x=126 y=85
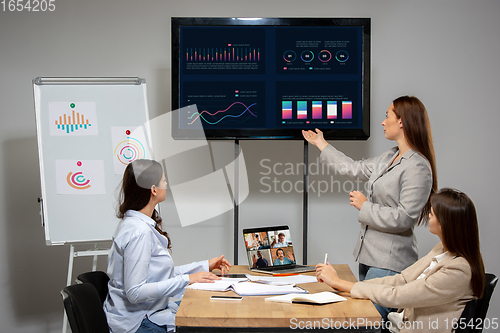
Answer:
x=324 y=297
x=270 y=250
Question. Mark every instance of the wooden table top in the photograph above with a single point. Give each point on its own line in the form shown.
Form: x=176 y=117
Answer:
x=197 y=309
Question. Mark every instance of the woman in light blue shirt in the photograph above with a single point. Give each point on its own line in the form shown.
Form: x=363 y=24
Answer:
x=141 y=270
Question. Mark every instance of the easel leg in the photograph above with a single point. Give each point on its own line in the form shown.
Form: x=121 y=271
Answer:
x=70 y=264
x=68 y=282
x=94 y=263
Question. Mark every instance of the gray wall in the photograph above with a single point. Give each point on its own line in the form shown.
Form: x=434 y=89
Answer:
x=445 y=52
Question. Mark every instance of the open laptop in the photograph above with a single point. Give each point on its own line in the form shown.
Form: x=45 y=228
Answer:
x=270 y=250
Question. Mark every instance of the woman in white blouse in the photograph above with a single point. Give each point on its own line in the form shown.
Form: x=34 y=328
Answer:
x=432 y=292
x=141 y=270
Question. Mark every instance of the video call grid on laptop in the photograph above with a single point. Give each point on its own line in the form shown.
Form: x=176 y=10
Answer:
x=270 y=250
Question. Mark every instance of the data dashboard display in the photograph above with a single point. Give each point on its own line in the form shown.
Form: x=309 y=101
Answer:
x=270 y=78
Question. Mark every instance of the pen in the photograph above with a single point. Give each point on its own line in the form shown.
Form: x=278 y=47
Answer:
x=326 y=258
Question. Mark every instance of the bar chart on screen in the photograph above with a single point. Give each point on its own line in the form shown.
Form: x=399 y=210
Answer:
x=316 y=110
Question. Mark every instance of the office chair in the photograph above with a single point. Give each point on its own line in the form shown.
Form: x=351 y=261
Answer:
x=98 y=279
x=472 y=319
x=84 y=309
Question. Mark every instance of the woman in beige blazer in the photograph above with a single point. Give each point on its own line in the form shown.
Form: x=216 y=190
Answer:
x=433 y=292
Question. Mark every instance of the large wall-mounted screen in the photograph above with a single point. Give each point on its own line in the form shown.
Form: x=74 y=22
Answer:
x=270 y=78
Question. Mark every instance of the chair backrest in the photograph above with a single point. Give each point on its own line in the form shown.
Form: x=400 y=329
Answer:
x=473 y=316
x=84 y=309
x=98 y=279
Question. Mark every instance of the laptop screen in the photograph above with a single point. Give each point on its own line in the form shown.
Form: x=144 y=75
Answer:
x=269 y=247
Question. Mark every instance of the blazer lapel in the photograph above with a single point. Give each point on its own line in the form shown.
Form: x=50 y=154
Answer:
x=382 y=171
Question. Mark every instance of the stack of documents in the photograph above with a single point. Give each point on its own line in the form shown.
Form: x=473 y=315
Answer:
x=246 y=288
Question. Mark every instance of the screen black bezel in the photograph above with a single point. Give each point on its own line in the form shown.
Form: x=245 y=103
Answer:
x=266 y=133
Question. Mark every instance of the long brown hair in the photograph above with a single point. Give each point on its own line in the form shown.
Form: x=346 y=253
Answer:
x=135 y=191
x=417 y=129
x=456 y=214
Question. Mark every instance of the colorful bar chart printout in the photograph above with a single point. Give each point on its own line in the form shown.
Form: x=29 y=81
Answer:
x=72 y=118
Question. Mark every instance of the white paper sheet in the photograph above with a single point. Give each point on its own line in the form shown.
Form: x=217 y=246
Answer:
x=80 y=177
x=282 y=280
x=129 y=144
x=72 y=118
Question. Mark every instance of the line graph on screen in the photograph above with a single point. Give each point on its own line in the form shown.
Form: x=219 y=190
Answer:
x=237 y=112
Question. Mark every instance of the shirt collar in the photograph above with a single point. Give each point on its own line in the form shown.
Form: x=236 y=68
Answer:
x=406 y=155
x=409 y=153
x=152 y=224
x=441 y=256
x=139 y=215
